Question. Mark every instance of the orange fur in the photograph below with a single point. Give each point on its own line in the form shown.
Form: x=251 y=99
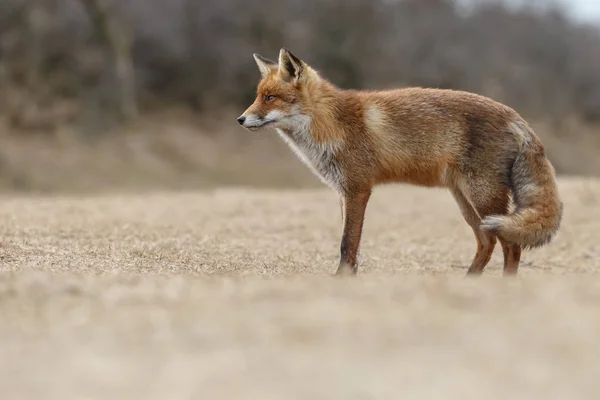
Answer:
x=482 y=150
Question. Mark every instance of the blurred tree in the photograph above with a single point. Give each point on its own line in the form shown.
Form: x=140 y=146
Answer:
x=198 y=53
x=31 y=107
x=119 y=42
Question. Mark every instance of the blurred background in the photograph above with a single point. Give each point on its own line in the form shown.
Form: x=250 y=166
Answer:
x=105 y=95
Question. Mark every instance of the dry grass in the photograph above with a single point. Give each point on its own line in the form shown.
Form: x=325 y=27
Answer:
x=175 y=149
x=227 y=295
x=171 y=150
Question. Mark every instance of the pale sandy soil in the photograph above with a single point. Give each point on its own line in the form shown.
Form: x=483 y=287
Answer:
x=227 y=295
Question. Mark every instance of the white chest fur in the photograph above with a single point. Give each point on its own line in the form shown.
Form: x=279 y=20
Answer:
x=319 y=157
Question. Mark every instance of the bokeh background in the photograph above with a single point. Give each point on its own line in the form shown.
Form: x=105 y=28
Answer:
x=107 y=95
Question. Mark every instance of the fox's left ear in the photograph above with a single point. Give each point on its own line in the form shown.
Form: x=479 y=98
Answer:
x=265 y=65
x=291 y=68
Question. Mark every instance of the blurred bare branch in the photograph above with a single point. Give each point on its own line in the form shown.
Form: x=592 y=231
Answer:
x=119 y=43
x=198 y=53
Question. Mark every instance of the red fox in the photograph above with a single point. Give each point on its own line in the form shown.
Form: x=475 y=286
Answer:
x=481 y=150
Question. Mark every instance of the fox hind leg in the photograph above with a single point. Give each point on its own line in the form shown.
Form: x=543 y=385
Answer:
x=485 y=241
x=512 y=256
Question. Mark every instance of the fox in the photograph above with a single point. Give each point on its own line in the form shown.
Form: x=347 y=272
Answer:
x=483 y=151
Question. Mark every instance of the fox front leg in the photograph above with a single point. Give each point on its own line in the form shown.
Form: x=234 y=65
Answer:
x=354 y=206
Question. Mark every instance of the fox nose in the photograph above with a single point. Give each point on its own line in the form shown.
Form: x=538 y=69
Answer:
x=241 y=120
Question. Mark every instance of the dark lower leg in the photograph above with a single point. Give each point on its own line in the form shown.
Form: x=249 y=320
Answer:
x=512 y=257
x=354 y=213
x=485 y=243
x=485 y=248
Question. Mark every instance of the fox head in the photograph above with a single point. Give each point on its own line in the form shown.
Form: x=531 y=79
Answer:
x=281 y=96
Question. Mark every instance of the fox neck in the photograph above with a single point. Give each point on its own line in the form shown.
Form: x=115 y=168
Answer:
x=321 y=105
x=315 y=146
x=320 y=157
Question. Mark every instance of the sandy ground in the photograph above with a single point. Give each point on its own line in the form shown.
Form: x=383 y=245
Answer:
x=227 y=295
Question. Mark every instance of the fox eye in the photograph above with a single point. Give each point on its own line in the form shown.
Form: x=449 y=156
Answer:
x=269 y=98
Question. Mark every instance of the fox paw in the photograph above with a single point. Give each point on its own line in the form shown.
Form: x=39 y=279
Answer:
x=346 y=270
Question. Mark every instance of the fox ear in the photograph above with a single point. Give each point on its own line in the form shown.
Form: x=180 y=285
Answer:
x=265 y=66
x=290 y=66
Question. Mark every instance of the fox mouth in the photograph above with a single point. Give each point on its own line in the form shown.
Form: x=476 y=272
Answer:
x=260 y=125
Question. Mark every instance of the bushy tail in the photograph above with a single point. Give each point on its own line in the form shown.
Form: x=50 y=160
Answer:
x=538 y=211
